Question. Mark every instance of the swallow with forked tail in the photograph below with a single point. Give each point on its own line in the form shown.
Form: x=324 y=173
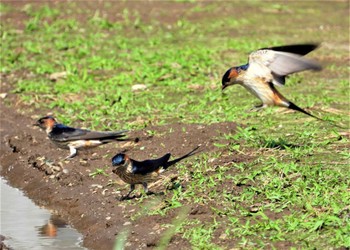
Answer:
x=142 y=172
x=76 y=138
x=268 y=68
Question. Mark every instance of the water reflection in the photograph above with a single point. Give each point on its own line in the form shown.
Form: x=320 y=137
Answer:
x=26 y=226
x=50 y=228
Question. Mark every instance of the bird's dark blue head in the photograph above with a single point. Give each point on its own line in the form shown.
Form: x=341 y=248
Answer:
x=229 y=78
x=118 y=159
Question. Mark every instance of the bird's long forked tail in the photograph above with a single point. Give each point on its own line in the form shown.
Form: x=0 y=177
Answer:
x=169 y=163
x=106 y=137
x=295 y=107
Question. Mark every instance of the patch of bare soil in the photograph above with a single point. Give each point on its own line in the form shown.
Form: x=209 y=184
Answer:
x=165 y=12
x=32 y=163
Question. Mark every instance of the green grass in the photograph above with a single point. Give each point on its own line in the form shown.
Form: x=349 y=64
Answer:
x=297 y=181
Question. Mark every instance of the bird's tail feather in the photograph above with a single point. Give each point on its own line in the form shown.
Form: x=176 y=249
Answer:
x=119 y=133
x=112 y=139
x=169 y=163
x=113 y=136
x=295 y=107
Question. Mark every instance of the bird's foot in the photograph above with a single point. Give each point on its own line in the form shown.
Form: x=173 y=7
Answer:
x=257 y=108
x=68 y=158
x=71 y=156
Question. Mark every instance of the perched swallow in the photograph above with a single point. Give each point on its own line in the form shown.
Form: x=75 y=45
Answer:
x=267 y=68
x=142 y=172
x=76 y=138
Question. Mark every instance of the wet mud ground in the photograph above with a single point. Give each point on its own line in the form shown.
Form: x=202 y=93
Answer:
x=30 y=162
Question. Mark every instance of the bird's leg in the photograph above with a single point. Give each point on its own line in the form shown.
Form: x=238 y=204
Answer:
x=73 y=152
x=145 y=188
x=132 y=188
x=258 y=107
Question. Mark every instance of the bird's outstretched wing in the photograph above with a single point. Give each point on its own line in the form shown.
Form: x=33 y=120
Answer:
x=299 y=49
x=64 y=133
x=284 y=63
x=280 y=63
x=149 y=166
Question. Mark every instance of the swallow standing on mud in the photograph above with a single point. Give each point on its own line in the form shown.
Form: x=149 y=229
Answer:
x=76 y=138
x=267 y=68
x=142 y=172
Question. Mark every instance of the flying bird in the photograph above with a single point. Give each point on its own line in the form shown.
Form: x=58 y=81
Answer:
x=268 y=68
x=142 y=172
x=76 y=138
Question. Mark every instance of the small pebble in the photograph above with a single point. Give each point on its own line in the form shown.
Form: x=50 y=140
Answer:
x=138 y=87
x=104 y=191
x=254 y=209
x=223 y=236
x=55 y=76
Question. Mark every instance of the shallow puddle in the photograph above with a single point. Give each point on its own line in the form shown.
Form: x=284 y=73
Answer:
x=27 y=226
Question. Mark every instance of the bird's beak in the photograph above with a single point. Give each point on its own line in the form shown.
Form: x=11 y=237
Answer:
x=225 y=82
x=35 y=124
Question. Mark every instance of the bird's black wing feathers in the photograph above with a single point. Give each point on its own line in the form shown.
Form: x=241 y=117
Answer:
x=64 y=133
x=300 y=49
x=149 y=166
x=279 y=80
